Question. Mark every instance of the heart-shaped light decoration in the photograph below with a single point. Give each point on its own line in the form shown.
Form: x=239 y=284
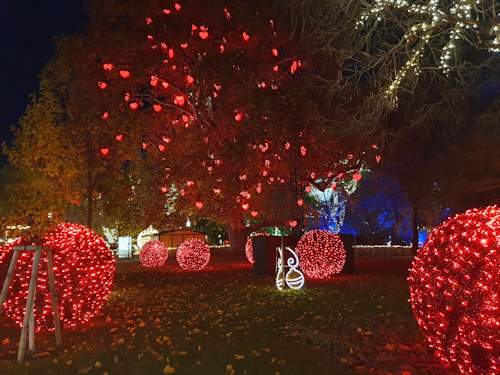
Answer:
x=164 y=189
x=161 y=148
x=102 y=85
x=104 y=151
x=245 y=206
x=254 y=213
x=165 y=84
x=292 y=223
x=166 y=11
x=190 y=183
x=107 y=66
x=203 y=34
x=287 y=146
x=275 y=52
x=378 y=158
x=179 y=100
x=177 y=6
x=165 y=139
x=258 y=189
x=124 y=73
x=245 y=36
x=185 y=118
x=105 y=115
x=199 y=205
x=119 y=137
x=216 y=191
x=144 y=145
x=189 y=79
x=333 y=186
x=293 y=68
x=308 y=189
x=303 y=150
x=238 y=117
x=134 y=105
x=184 y=45
x=356 y=176
x=171 y=53
x=276 y=68
x=157 y=107
x=300 y=202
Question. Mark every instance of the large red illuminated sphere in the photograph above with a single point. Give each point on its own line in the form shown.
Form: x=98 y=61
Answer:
x=249 y=246
x=321 y=254
x=154 y=253
x=193 y=254
x=83 y=271
x=455 y=291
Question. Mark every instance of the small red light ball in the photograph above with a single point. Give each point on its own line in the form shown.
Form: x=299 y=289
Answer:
x=455 y=291
x=83 y=270
x=249 y=246
x=193 y=254
x=321 y=254
x=153 y=254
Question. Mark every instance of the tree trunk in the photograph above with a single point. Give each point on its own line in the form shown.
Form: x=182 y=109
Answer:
x=414 y=226
x=90 y=183
x=237 y=233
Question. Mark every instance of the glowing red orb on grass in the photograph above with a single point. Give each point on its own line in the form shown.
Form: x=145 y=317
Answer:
x=193 y=254
x=321 y=254
x=153 y=254
x=83 y=271
x=249 y=246
x=455 y=291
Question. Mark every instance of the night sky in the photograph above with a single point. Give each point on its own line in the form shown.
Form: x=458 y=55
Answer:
x=27 y=28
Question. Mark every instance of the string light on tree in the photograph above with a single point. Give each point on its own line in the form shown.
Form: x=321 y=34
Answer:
x=83 y=270
x=153 y=254
x=455 y=291
x=321 y=254
x=193 y=254
x=438 y=28
x=249 y=246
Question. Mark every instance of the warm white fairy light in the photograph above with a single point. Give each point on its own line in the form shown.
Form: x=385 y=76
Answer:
x=439 y=23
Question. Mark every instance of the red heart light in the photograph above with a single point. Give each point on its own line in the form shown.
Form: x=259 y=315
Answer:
x=275 y=52
x=258 y=189
x=308 y=189
x=157 y=107
x=333 y=186
x=199 y=205
x=144 y=145
x=107 y=66
x=177 y=6
x=217 y=191
x=124 y=73
x=105 y=115
x=303 y=150
x=185 y=118
x=203 y=34
x=356 y=176
x=171 y=53
x=300 y=202
x=245 y=206
x=246 y=37
x=165 y=84
x=104 y=151
x=161 y=148
x=292 y=223
x=275 y=68
x=254 y=213
x=189 y=79
x=119 y=137
x=102 y=85
x=238 y=117
x=184 y=45
x=134 y=105
x=164 y=189
x=378 y=158
x=179 y=100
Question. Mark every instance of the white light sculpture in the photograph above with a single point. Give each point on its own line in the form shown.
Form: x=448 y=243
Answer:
x=293 y=278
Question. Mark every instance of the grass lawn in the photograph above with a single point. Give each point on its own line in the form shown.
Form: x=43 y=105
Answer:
x=223 y=320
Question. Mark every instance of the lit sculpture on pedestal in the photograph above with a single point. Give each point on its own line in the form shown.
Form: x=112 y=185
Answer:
x=293 y=278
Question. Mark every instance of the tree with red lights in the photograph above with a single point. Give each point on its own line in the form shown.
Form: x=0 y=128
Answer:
x=222 y=93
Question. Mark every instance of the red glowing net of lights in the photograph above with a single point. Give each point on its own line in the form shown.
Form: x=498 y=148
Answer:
x=153 y=254
x=455 y=289
x=83 y=272
x=321 y=254
x=193 y=254
x=249 y=246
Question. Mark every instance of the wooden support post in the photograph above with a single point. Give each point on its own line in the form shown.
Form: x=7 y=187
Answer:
x=31 y=339
x=29 y=304
x=6 y=283
x=53 y=297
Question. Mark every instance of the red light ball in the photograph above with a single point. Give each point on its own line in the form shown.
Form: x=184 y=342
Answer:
x=455 y=291
x=193 y=254
x=249 y=246
x=153 y=254
x=83 y=271
x=321 y=254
